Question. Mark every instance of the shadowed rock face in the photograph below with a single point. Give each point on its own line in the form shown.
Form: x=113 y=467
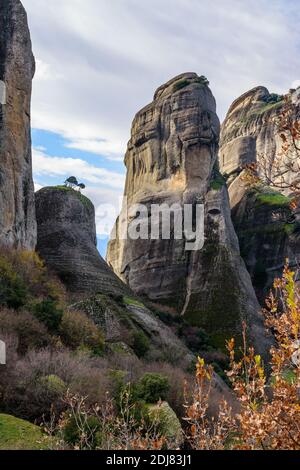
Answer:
x=17 y=212
x=67 y=242
x=269 y=234
x=172 y=158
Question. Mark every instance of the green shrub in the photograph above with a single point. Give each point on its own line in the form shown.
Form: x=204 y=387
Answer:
x=24 y=279
x=77 y=331
x=13 y=291
x=202 y=80
x=195 y=338
x=140 y=343
x=273 y=199
x=273 y=98
x=85 y=200
x=118 y=378
x=90 y=426
x=152 y=387
x=181 y=84
x=53 y=384
x=217 y=179
x=49 y=313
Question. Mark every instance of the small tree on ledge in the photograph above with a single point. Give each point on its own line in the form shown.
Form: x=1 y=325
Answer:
x=72 y=182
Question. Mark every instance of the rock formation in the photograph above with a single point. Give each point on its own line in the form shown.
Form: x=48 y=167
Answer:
x=268 y=232
x=67 y=241
x=172 y=158
x=17 y=212
x=248 y=135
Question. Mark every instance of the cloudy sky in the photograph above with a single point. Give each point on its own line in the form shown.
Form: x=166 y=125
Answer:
x=100 y=61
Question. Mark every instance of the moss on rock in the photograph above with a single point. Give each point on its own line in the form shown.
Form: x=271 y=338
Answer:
x=164 y=419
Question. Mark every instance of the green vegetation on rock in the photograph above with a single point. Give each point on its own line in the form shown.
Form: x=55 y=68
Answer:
x=140 y=343
x=131 y=301
x=219 y=312
x=85 y=200
x=164 y=419
x=273 y=199
x=267 y=107
x=185 y=82
x=181 y=84
x=217 y=180
x=48 y=313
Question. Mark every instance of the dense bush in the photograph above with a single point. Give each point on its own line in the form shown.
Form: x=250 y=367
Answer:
x=53 y=384
x=35 y=382
x=273 y=98
x=13 y=291
x=24 y=280
x=76 y=330
x=195 y=338
x=49 y=313
x=140 y=343
x=152 y=387
x=31 y=334
x=90 y=426
x=176 y=378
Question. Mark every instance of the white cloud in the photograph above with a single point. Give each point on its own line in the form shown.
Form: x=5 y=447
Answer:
x=104 y=188
x=296 y=84
x=112 y=151
x=112 y=55
x=37 y=186
x=44 y=72
x=44 y=165
x=107 y=207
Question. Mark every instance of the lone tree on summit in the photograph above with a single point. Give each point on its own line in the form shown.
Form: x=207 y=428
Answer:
x=72 y=182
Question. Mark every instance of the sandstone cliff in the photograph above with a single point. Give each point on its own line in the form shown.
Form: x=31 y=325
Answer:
x=17 y=212
x=268 y=232
x=67 y=241
x=172 y=158
x=249 y=135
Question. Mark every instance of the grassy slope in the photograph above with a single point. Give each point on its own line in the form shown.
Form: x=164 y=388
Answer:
x=17 y=434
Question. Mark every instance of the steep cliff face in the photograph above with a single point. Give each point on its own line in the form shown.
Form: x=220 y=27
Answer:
x=248 y=129
x=171 y=158
x=269 y=233
x=267 y=230
x=17 y=212
x=249 y=135
x=67 y=241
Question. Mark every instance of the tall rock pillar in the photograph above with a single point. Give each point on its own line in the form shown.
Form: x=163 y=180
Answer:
x=17 y=210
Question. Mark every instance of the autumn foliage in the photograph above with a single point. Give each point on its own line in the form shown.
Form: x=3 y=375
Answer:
x=281 y=171
x=268 y=400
